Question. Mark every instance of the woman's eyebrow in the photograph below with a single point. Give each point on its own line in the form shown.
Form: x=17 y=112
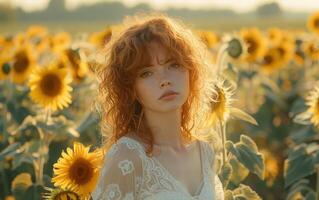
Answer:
x=167 y=61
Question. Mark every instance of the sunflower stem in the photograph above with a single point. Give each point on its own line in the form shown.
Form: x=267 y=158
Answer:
x=223 y=135
x=250 y=89
x=221 y=56
x=5 y=180
x=44 y=142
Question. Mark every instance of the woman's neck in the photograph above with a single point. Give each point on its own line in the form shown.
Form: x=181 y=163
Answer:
x=166 y=129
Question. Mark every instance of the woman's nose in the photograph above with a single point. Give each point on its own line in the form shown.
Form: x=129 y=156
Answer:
x=165 y=82
x=164 y=77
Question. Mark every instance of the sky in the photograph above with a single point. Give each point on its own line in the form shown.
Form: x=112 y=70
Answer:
x=236 y=5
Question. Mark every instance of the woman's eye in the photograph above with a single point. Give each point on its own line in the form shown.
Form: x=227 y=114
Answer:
x=175 y=65
x=145 y=74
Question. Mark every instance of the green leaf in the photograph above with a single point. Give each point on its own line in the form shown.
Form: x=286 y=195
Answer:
x=303 y=134
x=33 y=146
x=249 y=142
x=230 y=146
x=237 y=113
x=89 y=119
x=29 y=120
x=248 y=156
x=301 y=186
x=9 y=150
x=310 y=196
x=245 y=192
x=275 y=97
x=229 y=195
x=21 y=158
x=34 y=192
x=298 y=165
x=312 y=148
x=298 y=106
x=240 y=172
x=254 y=161
x=18 y=193
x=225 y=174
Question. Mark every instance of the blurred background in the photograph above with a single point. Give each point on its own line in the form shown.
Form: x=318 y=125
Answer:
x=228 y=15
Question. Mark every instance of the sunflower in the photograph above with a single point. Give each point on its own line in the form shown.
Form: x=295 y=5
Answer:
x=60 y=41
x=221 y=105
x=272 y=166
x=78 y=170
x=20 y=40
x=24 y=62
x=299 y=57
x=2 y=44
x=5 y=45
x=221 y=102
x=311 y=48
x=313 y=103
x=236 y=48
x=313 y=22
x=99 y=39
x=50 y=87
x=22 y=180
x=210 y=38
x=77 y=67
x=277 y=57
x=270 y=62
x=256 y=43
x=286 y=50
x=274 y=35
x=60 y=194
x=312 y=113
x=10 y=197
x=5 y=67
x=36 y=31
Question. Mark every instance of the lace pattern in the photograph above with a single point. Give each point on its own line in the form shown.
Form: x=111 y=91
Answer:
x=142 y=177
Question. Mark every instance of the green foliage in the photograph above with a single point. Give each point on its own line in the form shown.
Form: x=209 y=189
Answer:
x=300 y=162
x=243 y=192
x=247 y=153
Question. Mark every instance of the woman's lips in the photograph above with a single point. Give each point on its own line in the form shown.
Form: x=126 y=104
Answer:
x=169 y=96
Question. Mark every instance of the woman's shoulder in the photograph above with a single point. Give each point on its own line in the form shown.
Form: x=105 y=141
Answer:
x=123 y=156
x=124 y=146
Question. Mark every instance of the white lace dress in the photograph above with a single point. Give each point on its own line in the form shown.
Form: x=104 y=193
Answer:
x=128 y=173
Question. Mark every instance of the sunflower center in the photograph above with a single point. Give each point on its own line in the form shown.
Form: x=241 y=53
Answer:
x=67 y=195
x=73 y=57
x=51 y=85
x=252 y=45
x=313 y=48
x=268 y=59
x=281 y=51
x=218 y=106
x=22 y=62
x=316 y=23
x=81 y=171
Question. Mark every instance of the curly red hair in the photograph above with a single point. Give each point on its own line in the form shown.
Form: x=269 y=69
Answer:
x=126 y=52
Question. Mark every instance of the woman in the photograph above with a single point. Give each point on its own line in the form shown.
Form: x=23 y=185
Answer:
x=154 y=90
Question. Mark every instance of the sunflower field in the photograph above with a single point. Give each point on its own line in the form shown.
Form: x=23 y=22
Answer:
x=267 y=113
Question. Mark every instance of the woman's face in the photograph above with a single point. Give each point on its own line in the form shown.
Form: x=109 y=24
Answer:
x=163 y=74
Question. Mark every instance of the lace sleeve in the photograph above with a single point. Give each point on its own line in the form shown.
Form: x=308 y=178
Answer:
x=120 y=175
x=219 y=191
